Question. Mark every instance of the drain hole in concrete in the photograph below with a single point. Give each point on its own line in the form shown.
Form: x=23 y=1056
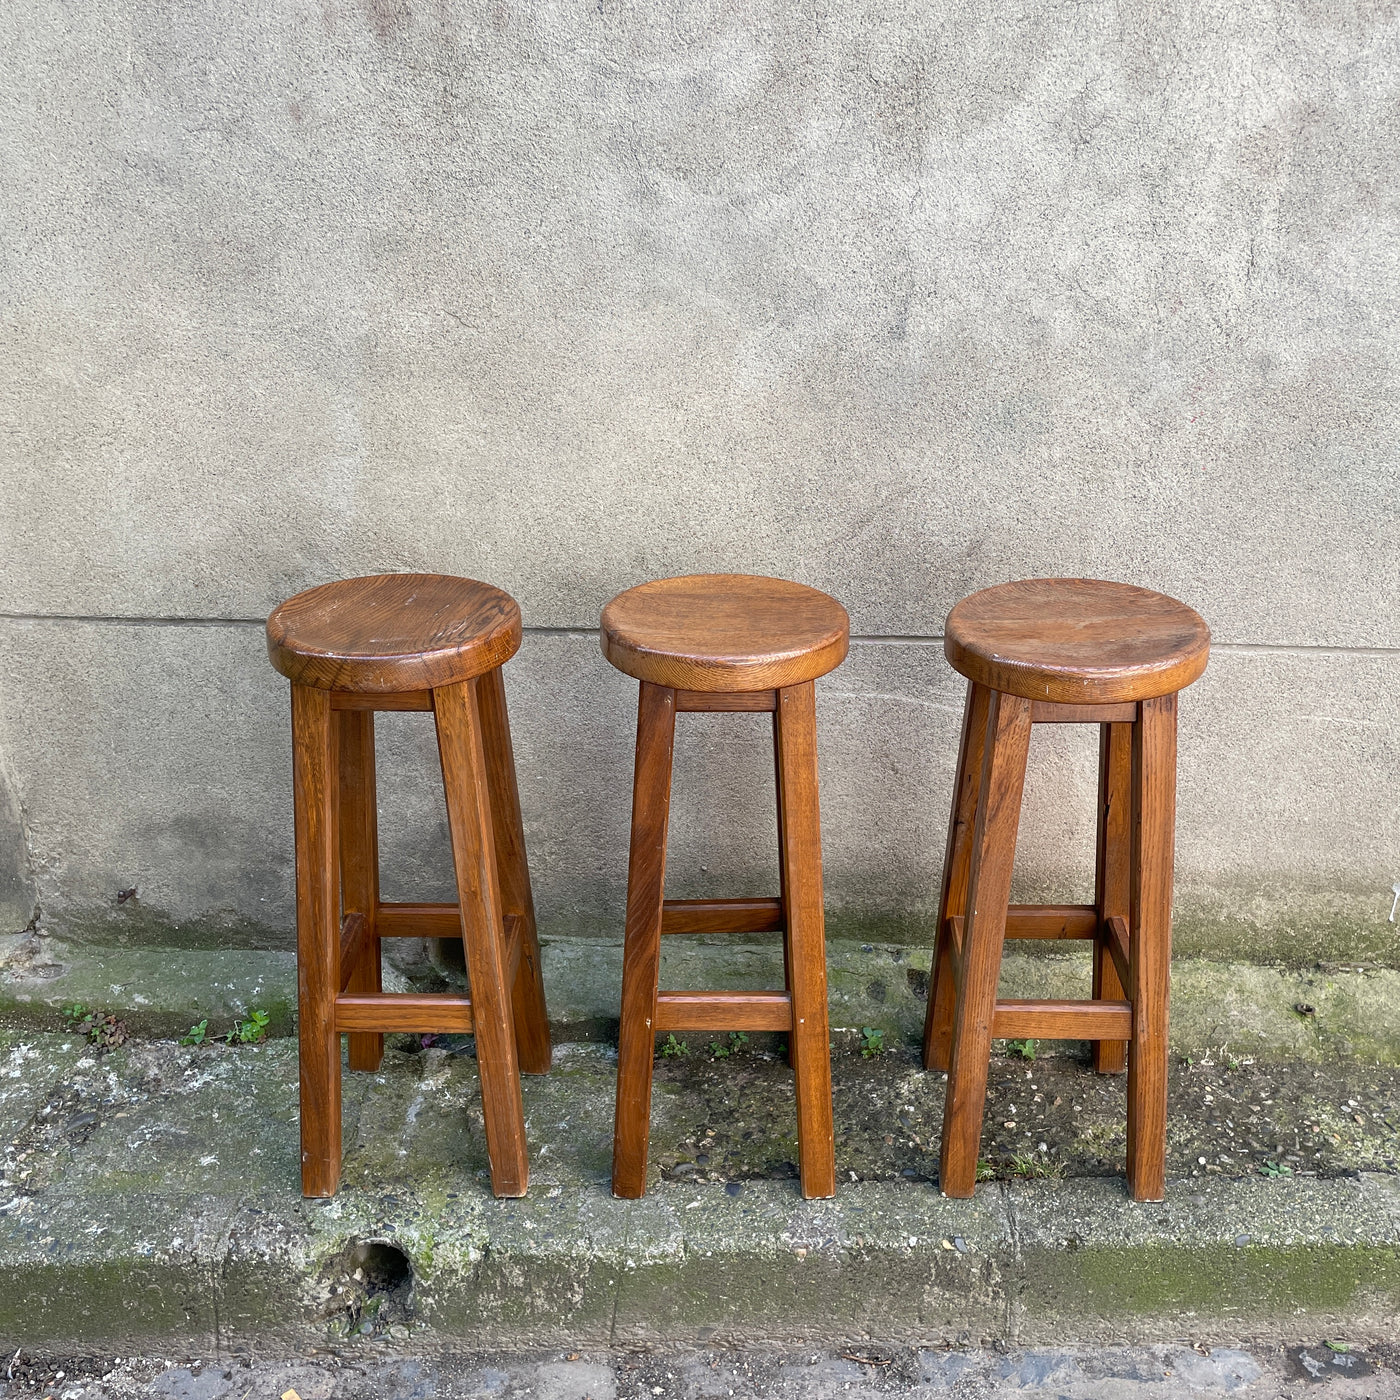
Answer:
x=375 y=1289
x=384 y=1268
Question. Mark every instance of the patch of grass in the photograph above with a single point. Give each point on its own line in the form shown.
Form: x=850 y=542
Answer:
x=1104 y=1137
x=735 y=1043
x=1034 y=1166
x=250 y=1031
x=197 y=1034
x=872 y=1042
x=985 y=1170
x=673 y=1049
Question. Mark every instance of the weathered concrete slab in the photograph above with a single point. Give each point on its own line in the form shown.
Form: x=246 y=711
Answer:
x=153 y=1193
x=1226 y=1251
x=144 y=1267
x=31 y=1066
x=754 y=1259
x=543 y=1267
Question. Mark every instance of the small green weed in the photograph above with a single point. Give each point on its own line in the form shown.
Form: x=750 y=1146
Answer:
x=197 y=1034
x=736 y=1042
x=985 y=1170
x=872 y=1042
x=1342 y=1347
x=1274 y=1169
x=249 y=1032
x=1024 y=1048
x=673 y=1049
x=100 y=1029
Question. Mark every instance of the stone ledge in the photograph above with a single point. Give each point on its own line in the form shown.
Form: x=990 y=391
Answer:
x=151 y=1193
x=1251 y=1009
x=697 y=1264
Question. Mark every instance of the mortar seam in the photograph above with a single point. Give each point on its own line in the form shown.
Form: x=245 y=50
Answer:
x=621 y=1275
x=1013 y=1292
x=218 y=1267
x=860 y=639
x=214 y=1294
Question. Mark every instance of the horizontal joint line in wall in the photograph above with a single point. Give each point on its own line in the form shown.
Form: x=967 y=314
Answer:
x=864 y=639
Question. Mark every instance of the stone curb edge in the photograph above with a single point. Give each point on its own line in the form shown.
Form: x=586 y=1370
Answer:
x=1026 y=1263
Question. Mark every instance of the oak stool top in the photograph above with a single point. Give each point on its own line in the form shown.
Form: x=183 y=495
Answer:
x=1077 y=641
x=393 y=632
x=725 y=633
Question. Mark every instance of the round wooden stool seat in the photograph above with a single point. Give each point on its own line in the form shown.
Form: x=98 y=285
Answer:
x=725 y=633
x=393 y=632
x=1077 y=641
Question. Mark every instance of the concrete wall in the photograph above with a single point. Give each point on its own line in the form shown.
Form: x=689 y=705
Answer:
x=899 y=300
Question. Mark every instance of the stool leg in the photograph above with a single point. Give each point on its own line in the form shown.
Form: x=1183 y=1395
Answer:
x=513 y=871
x=957 y=864
x=806 y=937
x=984 y=930
x=483 y=934
x=314 y=784
x=359 y=865
x=1113 y=873
x=1154 y=823
x=641 y=954
x=783 y=882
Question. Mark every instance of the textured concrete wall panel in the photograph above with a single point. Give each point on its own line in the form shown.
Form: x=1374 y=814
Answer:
x=158 y=757
x=903 y=300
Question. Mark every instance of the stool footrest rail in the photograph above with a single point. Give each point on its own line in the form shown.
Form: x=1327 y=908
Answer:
x=426 y=1013
x=722 y=916
x=723 y=1011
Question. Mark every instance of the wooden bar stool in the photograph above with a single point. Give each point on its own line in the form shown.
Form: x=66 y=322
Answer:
x=714 y=643
x=407 y=642
x=1057 y=651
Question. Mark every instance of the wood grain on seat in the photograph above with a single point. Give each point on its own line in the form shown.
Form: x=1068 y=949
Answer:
x=1077 y=641
x=393 y=632
x=725 y=632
